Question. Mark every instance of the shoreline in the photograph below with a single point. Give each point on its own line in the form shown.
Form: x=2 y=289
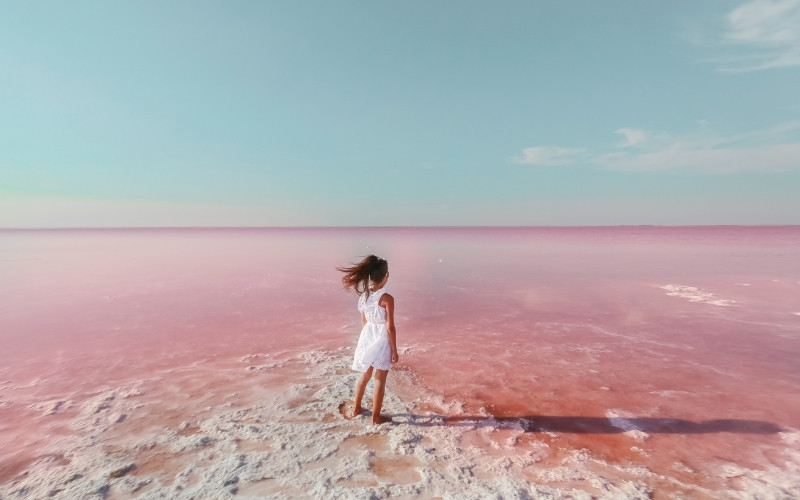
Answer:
x=279 y=433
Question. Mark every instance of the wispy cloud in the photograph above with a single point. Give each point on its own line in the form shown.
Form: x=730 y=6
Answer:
x=685 y=157
x=550 y=156
x=768 y=32
x=633 y=137
x=759 y=151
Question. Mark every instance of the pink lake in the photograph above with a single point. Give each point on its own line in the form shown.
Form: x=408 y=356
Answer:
x=610 y=362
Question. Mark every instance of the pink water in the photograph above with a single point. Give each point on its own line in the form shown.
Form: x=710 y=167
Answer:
x=620 y=361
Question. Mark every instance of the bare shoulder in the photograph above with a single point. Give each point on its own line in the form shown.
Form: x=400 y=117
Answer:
x=386 y=299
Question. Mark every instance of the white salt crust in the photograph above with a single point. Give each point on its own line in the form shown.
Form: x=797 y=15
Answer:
x=694 y=294
x=295 y=443
x=625 y=421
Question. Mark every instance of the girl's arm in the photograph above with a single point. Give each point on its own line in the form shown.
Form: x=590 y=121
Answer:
x=363 y=319
x=387 y=302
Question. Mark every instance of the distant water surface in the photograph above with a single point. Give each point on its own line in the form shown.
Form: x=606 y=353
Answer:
x=605 y=361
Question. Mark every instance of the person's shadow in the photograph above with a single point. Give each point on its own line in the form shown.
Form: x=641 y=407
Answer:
x=593 y=425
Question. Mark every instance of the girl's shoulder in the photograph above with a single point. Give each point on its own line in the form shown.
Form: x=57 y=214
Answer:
x=364 y=298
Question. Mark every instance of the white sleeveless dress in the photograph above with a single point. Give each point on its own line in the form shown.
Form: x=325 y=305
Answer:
x=373 y=347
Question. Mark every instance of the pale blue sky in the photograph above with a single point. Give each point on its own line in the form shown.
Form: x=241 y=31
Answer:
x=233 y=113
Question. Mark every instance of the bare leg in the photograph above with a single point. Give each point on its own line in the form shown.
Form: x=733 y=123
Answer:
x=377 y=399
x=361 y=386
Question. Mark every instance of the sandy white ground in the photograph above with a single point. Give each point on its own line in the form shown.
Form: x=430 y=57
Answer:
x=288 y=439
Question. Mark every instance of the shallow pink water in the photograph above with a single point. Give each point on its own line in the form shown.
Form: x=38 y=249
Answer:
x=673 y=349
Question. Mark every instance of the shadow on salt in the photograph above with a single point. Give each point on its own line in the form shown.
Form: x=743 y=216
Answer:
x=593 y=425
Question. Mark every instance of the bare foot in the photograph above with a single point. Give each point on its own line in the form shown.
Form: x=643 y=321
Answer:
x=380 y=420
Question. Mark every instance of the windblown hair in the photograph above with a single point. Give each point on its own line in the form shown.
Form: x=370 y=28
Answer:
x=358 y=276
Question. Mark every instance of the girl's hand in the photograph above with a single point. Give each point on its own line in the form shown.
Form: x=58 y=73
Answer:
x=395 y=357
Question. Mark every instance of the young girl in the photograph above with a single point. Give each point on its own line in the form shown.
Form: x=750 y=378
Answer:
x=377 y=345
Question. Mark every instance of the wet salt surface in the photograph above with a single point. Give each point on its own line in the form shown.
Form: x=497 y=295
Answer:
x=277 y=432
x=585 y=363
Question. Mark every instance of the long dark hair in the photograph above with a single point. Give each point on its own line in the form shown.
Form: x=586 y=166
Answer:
x=359 y=275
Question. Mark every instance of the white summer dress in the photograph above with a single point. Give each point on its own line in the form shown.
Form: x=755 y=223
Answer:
x=373 y=347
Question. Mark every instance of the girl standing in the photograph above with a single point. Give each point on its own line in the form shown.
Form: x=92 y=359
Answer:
x=377 y=345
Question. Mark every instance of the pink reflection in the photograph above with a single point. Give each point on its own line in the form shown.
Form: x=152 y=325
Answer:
x=648 y=346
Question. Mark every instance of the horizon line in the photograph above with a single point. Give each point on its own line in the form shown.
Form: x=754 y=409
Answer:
x=142 y=228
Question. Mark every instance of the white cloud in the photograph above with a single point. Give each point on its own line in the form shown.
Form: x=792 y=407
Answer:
x=550 y=156
x=633 y=137
x=758 y=151
x=685 y=157
x=769 y=30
